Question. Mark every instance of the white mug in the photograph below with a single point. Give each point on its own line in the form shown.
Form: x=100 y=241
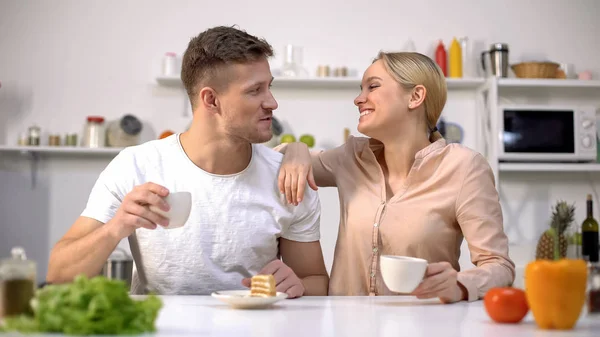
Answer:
x=402 y=274
x=181 y=206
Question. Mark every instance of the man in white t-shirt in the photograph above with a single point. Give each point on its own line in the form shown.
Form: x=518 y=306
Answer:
x=239 y=224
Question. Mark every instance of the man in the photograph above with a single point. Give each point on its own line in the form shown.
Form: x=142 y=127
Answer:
x=239 y=224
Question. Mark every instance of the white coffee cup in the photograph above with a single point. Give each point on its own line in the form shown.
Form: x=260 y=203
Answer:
x=181 y=206
x=402 y=274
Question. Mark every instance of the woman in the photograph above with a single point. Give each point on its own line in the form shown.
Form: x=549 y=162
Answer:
x=404 y=191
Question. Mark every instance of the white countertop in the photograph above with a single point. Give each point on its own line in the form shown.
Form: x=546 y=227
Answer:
x=346 y=316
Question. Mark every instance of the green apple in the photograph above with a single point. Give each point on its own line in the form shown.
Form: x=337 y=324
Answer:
x=309 y=140
x=287 y=138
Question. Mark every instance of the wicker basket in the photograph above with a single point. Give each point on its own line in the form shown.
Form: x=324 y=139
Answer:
x=535 y=69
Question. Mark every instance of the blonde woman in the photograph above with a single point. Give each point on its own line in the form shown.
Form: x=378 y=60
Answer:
x=404 y=191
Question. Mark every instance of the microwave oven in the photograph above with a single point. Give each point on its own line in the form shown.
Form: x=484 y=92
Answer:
x=535 y=133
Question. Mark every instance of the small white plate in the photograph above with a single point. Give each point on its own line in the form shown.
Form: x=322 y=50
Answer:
x=240 y=299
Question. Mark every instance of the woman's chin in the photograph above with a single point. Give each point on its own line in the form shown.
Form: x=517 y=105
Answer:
x=365 y=129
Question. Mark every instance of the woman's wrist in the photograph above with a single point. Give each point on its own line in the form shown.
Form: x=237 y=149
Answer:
x=464 y=293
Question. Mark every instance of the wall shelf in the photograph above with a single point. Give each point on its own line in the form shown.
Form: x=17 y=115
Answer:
x=169 y=81
x=453 y=83
x=546 y=83
x=106 y=151
x=330 y=82
x=35 y=152
x=549 y=167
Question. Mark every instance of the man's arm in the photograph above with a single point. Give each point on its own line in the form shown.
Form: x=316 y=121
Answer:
x=306 y=260
x=88 y=244
x=83 y=249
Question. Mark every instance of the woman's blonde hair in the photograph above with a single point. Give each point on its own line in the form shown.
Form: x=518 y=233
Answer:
x=412 y=69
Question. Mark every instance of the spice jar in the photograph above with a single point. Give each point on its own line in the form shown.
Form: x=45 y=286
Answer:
x=54 y=140
x=17 y=283
x=34 y=135
x=71 y=139
x=95 y=133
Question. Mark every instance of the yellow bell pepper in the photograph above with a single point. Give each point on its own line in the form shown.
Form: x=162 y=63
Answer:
x=556 y=292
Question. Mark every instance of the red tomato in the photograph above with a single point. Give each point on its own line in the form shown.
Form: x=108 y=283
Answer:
x=506 y=305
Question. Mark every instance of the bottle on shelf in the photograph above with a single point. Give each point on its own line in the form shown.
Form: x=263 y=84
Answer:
x=441 y=57
x=409 y=46
x=467 y=70
x=589 y=234
x=455 y=59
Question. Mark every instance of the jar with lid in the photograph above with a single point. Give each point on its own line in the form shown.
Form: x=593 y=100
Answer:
x=170 y=66
x=95 y=132
x=34 y=135
x=17 y=283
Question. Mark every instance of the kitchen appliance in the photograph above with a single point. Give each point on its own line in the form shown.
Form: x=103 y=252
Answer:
x=540 y=133
x=495 y=60
x=124 y=132
x=119 y=266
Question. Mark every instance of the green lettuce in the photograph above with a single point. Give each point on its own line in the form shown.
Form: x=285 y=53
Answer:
x=88 y=307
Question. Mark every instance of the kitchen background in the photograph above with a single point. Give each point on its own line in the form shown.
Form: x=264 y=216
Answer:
x=61 y=61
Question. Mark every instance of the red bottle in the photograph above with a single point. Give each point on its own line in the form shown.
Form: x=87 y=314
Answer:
x=441 y=58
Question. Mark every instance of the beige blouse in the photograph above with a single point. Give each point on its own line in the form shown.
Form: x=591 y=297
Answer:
x=449 y=193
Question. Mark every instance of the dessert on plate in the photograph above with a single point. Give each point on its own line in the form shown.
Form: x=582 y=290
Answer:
x=262 y=286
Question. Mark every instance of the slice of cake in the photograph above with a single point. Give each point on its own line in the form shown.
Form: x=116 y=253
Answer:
x=262 y=286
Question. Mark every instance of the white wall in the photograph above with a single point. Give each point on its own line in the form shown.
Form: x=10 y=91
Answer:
x=63 y=60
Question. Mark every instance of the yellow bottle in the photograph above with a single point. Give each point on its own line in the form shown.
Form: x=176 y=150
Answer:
x=455 y=59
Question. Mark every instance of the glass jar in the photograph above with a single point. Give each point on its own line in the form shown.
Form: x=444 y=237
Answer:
x=34 y=135
x=95 y=133
x=170 y=66
x=17 y=283
x=292 y=63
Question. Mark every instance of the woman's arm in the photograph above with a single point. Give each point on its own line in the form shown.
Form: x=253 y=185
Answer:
x=479 y=215
x=300 y=166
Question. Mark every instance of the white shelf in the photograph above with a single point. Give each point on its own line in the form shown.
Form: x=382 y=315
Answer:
x=546 y=83
x=61 y=150
x=313 y=82
x=169 y=81
x=549 y=167
x=464 y=83
x=331 y=82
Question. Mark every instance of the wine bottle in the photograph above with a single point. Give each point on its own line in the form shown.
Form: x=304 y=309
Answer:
x=589 y=234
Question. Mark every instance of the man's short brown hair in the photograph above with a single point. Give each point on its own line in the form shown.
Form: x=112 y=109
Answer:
x=215 y=48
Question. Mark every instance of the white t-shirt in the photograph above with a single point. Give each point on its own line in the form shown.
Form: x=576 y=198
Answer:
x=234 y=225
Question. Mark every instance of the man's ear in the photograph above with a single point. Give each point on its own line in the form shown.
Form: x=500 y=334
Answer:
x=207 y=97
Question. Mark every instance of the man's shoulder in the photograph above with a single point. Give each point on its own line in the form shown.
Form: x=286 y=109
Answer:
x=270 y=160
x=151 y=150
x=266 y=159
x=268 y=154
x=154 y=147
x=139 y=159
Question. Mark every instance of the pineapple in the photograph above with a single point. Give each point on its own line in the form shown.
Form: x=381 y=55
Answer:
x=562 y=217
